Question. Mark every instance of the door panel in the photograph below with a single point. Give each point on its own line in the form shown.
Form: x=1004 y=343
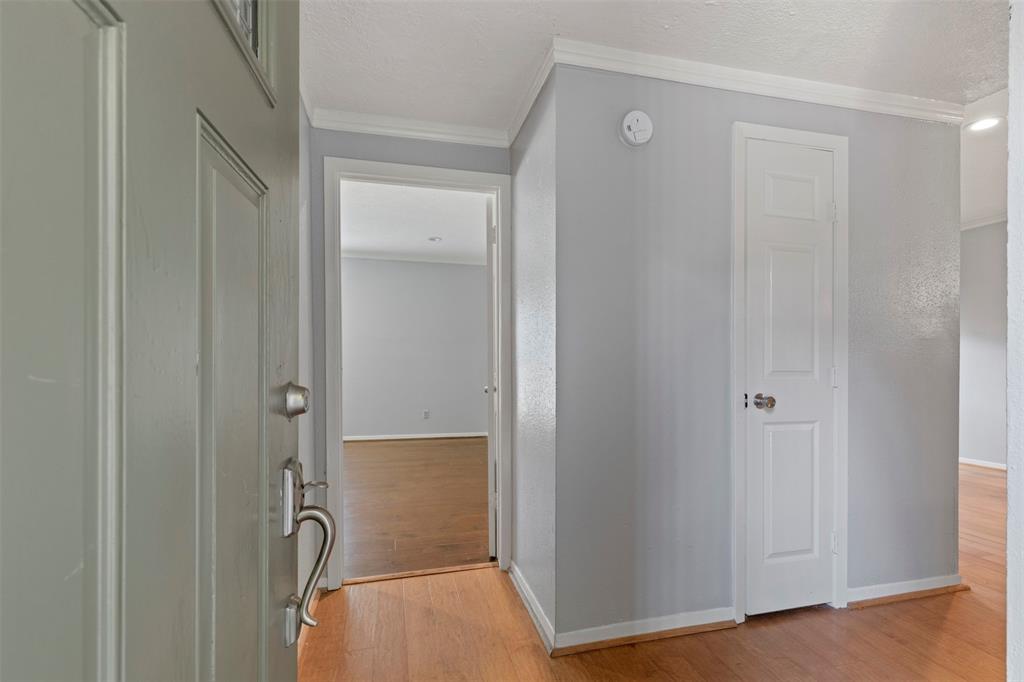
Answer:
x=59 y=450
x=230 y=455
x=788 y=346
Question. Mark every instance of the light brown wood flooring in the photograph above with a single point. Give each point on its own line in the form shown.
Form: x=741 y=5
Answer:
x=472 y=626
x=414 y=504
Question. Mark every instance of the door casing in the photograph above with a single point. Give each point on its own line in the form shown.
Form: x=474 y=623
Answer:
x=838 y=145
x=500 y=186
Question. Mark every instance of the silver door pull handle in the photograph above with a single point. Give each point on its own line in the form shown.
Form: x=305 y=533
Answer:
x=763 y=402
x=326 y=522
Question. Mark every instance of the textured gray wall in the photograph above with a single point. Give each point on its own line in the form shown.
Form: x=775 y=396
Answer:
x=369 y=148
x=414 y=338
x=533 y=256
x=983 y=343
x=643 y=321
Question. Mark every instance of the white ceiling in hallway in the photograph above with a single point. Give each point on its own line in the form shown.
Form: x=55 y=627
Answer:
x=396 y=222
x=469 y=63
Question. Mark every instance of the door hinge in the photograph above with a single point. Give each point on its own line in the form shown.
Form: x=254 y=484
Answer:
x=835 y=543
x=835 y=213
x=835 y=377
x=494 y=234
x=745 y=401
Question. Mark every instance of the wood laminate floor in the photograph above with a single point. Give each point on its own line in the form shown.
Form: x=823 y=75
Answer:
x=472 y=626
x=414 y=504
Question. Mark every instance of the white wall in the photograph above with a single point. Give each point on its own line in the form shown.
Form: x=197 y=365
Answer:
x=983 y=284
x=642 y=321
x=983 y=344
x=983 y=163
x=414 y=338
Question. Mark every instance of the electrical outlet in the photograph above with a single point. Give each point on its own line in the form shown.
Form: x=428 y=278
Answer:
x=426 y=414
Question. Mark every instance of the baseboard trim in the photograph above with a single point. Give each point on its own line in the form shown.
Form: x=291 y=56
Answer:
x=533 y=607
x=631 y=632
x=907 y=596
x=416 y=436
x=642 y=632
x=419 y=573
x=859 y=597
x=982 y=463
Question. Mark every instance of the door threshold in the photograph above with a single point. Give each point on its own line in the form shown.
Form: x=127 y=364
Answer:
x=422 y=572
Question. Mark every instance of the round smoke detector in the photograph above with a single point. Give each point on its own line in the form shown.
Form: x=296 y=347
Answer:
x=636 y=129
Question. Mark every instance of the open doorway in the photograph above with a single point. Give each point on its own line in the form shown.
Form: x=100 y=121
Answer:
x=983 y=345
x=415 y=388
x=417 y=360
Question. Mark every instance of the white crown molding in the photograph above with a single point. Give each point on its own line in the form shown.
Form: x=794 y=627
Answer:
x=593 y=56
x=983 y=222
x=394 y=126
x=413 y=257
x=575 y=53
x=530 y=96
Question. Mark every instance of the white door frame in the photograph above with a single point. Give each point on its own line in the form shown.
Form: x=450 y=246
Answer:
x=838 y=145
x=500 y=185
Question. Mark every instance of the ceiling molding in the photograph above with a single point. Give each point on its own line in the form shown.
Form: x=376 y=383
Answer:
x=594 y=56
x=983 y=222
x=414 y=258
x=394 y=126
x=575 y=53
x=530 y=96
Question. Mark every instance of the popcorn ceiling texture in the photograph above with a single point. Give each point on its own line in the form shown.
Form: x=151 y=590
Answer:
x=469 y=63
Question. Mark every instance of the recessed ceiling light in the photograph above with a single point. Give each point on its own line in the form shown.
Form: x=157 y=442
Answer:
x=433 y=239
x=983 y=124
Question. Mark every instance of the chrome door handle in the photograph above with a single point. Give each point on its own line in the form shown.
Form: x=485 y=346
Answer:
x=763 y=402
x=326 y=522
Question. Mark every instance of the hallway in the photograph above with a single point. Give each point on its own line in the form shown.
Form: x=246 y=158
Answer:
x=472 y=626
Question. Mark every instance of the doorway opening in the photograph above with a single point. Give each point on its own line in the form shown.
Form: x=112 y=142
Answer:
x=417 y=367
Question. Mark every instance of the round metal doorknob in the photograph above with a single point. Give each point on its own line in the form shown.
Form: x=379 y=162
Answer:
x=487 y=389
x=764 y=402
x=296 y=400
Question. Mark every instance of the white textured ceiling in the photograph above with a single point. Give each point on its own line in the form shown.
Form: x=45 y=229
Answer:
x=396 y=222
x=469 y=63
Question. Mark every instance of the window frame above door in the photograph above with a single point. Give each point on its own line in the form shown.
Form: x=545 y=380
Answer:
x=260 y=62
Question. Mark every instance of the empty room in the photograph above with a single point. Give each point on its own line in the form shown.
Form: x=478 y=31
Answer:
x=414 y=373
x=386 y=340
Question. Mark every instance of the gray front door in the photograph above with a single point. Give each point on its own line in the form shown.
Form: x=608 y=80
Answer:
x=148 y=266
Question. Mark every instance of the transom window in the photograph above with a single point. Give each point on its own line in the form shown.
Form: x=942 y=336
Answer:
x=246 y=14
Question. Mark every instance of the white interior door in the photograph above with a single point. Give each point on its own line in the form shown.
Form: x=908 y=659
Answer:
x=790 y=215
x=491 y=389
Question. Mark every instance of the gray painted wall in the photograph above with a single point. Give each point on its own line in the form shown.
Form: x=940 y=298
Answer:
x=643 y=323
x=533 y=283
x=983 y=343
x=369 y=148
x=414 y=338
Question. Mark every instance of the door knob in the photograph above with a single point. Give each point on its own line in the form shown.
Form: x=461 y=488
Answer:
x=296 y=400
x=764 y=402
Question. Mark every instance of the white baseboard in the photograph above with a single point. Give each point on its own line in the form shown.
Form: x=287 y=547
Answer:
x=533 y=607
x=417 y=436
x=889 y=589
x=983 y=463
x=642 y=627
